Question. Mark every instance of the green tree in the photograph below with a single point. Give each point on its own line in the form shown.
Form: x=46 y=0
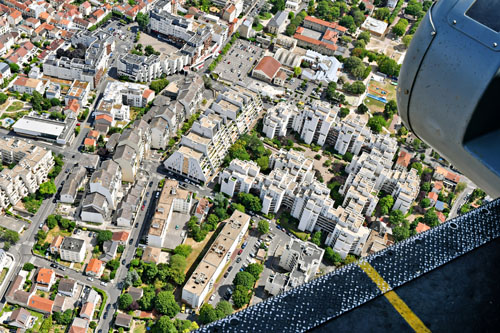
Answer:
x=237 y=206
x=147 y=300
x=390 y=109
x=207 y=314
x=263 y=227
x=365 y=36
x=401 y=232
x=158 y=85
x=290 y=29
x=63 y=318
x=426 y=202
x=165 y=304
x=388 y=66
x=356 y=88
x=382 y=13
x=400 y=28
x=149 y=273
x=28 y=266
x=3 y=98
x=417 y=166
x=263 y=162
x=47 y=188
x=255 y=270
x=344 y=112
x=244 y=279
x=241 y=296
x=223 y=309
x=376 y=123
x=14 y=68
x=104 y=235
x=297 y=71
x=385 y=204
x=11 y=236
x=426 y=187
x=332 y=256
x=250 y=201
x=407 y=40
x=460 y=187
x=183 y=250
x=46 y=325
x=142 y=20
x=164 y=325
x=124 y=301
x=414 y=8
x=348 y=22
x=51 y=221
x=431 y=218
x=362 y=108
x=316 y=238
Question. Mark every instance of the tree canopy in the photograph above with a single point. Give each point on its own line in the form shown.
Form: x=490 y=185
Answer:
x=263 y=227
x=250 y=201
x=124 y=301
x=165 y=304
x=332 y=256
x=244 y=279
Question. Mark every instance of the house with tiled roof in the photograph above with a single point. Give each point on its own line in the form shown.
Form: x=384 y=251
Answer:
x=266 y=69
x=20 y=318
x=121 y=237
x=87 y=311
x=14 y=18
x=56 y=244
x=85 y=8
x=67 y=287
x=72 y=109
x=79 y=325
x=421 y=227
x=94 y=267
x=88 y=142
x=449 y=179
x=32 y=22
x=433 y=197
x=403 y=161
x=45 y=279
x=40 y=304
x=441 y=217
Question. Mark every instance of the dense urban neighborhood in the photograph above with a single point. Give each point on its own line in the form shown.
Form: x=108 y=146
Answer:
x=167 y=163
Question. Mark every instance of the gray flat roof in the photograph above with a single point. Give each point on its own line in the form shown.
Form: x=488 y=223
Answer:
x=30 y=124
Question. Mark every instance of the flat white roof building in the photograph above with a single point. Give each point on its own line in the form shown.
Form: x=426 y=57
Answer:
x=376 y=27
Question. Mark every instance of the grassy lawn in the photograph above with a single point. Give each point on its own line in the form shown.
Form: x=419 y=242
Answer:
x=374 y=105
x=15 y=106
x=56 y=231
x=387 y=86
x=259 y=27
x=139 y=326
x=292 y=227
x=197 y=248
x=2 y=275
x=39 y=316
x=265 y=16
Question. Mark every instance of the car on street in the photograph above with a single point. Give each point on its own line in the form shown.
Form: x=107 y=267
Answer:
x=41 y=225
x=183 y=309
x=62 y=268
x=240 y=251
x=130 y=241
x=123 y=262
x=90 y=279
x=147 y=194
x=238 y=259
x=211 y=298
x=137 y=224
x=177 y=227
x=244 y=245
x=142 y=207
x=230 y=268
x=104 y=284
x=150 y=184
x=226 y=275
x=53 y=265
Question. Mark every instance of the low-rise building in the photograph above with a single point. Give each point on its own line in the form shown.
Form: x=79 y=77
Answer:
x=73 y=183
x=67 y=287
x=94 y=267
x=95 y=208
x=208 y=270
x=26 y=85
x=45 y=279
x=72 y=249
x=172 y=199
x=33 y=125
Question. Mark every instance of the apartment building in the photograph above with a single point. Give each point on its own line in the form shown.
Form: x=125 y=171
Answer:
x=139 y=68
x=172 y=199
x=107 y=180
x=238 y=177
x=99 y=44
x=208 y=270
x=32 y=166
x=72 y=249
x=70 y=188
x=279 y=120
x=203 y=149
x=95 y=208
x=25 y=85
x=302 y=260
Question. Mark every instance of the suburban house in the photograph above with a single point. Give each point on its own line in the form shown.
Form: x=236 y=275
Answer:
x=94 y=267
x=45 y=279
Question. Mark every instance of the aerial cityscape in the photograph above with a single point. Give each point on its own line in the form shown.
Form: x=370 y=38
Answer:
x=166 y=163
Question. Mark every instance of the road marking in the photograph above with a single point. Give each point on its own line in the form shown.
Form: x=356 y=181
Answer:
x=408 y=315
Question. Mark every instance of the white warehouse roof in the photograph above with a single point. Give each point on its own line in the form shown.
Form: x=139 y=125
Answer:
x=29 y=125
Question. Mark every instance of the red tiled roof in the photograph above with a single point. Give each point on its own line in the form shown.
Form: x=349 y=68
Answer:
x=105 y=117
x=421 y=227
x=87 y=309
x=94 y=266
x=332 y=25
x=40 y=303
x=56 y=242
x=441 y=217
x=44 y=276
x=147 y=93
x=269 y=66
x=438 y=185
x=120 y=236
x=433 y=196
x=404 y=159
x=89 y=142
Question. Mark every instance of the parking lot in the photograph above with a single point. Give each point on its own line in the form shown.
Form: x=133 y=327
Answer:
x=238 y=261
x=239 y=61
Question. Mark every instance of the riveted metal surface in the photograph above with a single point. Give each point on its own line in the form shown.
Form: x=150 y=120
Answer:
x=331 y=295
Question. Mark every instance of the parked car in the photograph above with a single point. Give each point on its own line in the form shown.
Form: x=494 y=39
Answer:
x=150 y=184
x=142 y=207
x=104 y=284
x=41 y=225
x=53 y=265
x=226 y=275
x=147 y=194
x=137 y=224
x=230 y=268
x=130 y=241
x=123 y=262
x=238 y=259
x=211 y=298
x=244 y=245
x=239 y=252
x=90 y=278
